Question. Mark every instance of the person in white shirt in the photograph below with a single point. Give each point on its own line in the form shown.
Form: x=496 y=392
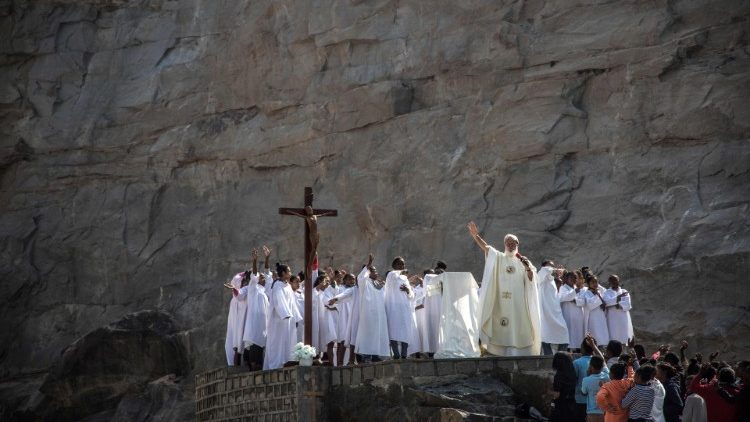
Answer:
x=617 y=301
x=571 y=303
x=399 y=309
x=596 y=319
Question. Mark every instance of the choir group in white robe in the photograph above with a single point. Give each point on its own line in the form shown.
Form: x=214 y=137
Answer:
x=443 y=314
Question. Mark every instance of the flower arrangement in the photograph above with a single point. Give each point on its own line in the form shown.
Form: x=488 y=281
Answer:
x=303 y=351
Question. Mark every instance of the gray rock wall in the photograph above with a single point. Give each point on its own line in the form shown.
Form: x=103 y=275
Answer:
x=146 y=145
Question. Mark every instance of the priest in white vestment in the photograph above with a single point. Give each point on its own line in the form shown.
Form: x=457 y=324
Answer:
x=509 y=321
x=282 y=320
x=571 y=303
x=372 y=331
x=594 y=316
x=617 y=301
x=236 y=317
x=458 y=334
x=554 y=328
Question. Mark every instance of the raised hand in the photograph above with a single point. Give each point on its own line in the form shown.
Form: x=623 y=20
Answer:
x=370 y=258
x=664 y=348
x=473 y=229
x=699 y=357
x=684 y=345
x=254 y=254
x=266 y=251
x=631 y=342
x=713 y=356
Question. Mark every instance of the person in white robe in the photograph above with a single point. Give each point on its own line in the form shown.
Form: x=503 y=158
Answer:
x=328 y=319
x=348 y=301
x=372 y=331
x=299 y=298
x=554 y=328
x=256 y=321
x=282 y=321
x=596 y=319
x=417 y=302
x=432 y=312
x=458 y=333
x=572 y=304
x=617 y=301
x=420 y=315
x=399 y=309
x=509 y=320
x=236 y=319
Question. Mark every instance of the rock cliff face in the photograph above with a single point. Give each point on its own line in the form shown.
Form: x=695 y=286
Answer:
x=147 y=144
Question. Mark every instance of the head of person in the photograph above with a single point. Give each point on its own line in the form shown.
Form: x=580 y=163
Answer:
x=593 y=282
x=562 y=363
x=665 y=372
x=321 y=282
x=688 y=381
x=624 y=358
x=580 y=279
x=283 y=271
x=586 y=350
x=743 y=370
x=640 y=352
x=645 y=374
x=617 y=371
x=349 y=280
x=295 y=282
x=548 y=263
x=301 y=276
x=511 y=242
x=373 y=272
x=440 y=267
x=672 y=359
x=613 y=349
x=595 y=365
x=428 y=271
x=245 y=278
x=262 y=279
x=337 y=276
x=726 y=376
x=569 y=278
x=693 y=367
x=398 y=263
x=614 y=281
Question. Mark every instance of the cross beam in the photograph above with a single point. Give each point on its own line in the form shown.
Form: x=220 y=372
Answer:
x=308 y=264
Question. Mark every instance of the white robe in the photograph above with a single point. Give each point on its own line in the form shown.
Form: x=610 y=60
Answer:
x=327 y=318
x=344 y=316
x=554 y=329
x=349 y=301
x=300 y=299
x=256 y=320
x=657 y=411
x=596 y=320
x=282 y=331
x=235 y=322
x=458 y=336
x=402 y=323
x=572 y=310
x=420 y=339
x=433 y=310
x=618 y=320
x=372 y=332
x=508 y=325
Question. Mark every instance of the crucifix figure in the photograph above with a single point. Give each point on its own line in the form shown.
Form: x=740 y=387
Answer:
x=312 y=238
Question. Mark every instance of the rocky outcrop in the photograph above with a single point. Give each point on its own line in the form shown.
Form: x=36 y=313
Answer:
x=127 y=369
x=435 y=399
x=146 y=145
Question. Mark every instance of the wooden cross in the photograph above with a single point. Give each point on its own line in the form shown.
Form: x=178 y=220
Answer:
x=297 y=212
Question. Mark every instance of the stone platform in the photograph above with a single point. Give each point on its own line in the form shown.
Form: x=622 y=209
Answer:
x=440 y=389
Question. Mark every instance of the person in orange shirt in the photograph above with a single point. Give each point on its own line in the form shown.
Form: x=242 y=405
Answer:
x=610 y=395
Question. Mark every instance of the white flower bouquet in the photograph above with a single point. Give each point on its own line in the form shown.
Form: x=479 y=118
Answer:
x=304 y=352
